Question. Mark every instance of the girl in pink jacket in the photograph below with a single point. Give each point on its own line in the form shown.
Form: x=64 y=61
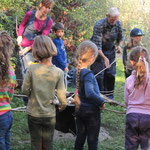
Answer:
x=137 y=99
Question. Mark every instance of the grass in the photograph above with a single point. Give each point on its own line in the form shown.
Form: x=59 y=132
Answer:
x=112 y=122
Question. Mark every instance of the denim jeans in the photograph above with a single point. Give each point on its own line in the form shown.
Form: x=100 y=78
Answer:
x=88 y=126
x=6 y=121
x=41 y=131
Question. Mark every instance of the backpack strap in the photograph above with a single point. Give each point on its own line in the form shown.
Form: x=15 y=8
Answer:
x=32 y=18
x=46 y=22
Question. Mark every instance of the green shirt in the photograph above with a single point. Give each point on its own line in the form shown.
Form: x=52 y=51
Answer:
x=39 y=84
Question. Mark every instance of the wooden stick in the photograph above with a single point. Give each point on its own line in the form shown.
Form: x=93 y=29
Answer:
x=16 y=95
x=108 y=100
x=115 y=111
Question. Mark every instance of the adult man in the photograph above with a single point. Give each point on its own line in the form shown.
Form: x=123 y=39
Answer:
x=106 y=32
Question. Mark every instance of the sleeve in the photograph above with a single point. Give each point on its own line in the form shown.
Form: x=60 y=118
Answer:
x=58 y=57
x=90 y=91
x=120 y=33
x=61 y=92
x=126 y=94
x=124 y=56
x=26 y=87
x=48 y=27
x=97 y=35
x=23 y=23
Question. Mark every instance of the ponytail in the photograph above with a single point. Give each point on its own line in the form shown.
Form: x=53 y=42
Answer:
x=140 y=72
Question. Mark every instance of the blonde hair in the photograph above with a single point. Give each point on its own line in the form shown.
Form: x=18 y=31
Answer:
x=113 y=12
x=6 y=47
x=43 y=47
x=85 y=50
x=131 y=43
x=140 y=66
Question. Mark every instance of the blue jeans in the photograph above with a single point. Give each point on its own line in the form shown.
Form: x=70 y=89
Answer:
x=6 y=121
x=88 y=123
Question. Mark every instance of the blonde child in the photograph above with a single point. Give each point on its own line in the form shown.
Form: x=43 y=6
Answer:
x=7 y=84
x=88 y=116
x=137 y=99
x=39 y=84
x=135 y=40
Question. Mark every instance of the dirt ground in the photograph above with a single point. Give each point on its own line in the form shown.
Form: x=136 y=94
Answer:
x=69 y=136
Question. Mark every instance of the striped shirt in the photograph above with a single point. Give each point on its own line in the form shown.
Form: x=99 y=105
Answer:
x=6 y=93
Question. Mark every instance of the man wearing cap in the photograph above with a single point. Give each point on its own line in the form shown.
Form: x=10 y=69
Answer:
x=106 y=32
x=135 y=40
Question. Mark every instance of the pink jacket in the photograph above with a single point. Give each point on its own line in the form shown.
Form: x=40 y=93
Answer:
x=137 y=100
x=38 y=24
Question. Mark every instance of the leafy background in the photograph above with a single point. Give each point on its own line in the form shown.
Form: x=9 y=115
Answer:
x=79 y=17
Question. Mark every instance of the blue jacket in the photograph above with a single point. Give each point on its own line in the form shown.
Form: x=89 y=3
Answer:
x=88 y=90
x=60 y=60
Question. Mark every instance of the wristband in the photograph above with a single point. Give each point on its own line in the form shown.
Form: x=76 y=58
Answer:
x=76 y=92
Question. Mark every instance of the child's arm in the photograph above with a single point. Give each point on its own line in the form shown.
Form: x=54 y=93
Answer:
x=124 y=56
x=61 y=92
x=126 y=94
x=12 y=83
x=26 y=87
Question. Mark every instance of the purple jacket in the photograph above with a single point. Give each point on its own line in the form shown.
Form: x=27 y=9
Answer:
x=137 y=100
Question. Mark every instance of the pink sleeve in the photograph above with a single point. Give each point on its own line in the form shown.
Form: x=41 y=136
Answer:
x=48 y=27
x=126 y=94
x=23 y=23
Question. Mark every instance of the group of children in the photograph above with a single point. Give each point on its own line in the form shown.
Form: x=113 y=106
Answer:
x=42 y=79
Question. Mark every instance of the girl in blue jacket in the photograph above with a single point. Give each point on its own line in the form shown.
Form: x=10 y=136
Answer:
x=88 y=116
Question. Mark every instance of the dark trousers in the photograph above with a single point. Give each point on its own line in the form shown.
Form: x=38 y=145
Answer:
x=41 y=131
x=137 y=131
x=106 y=79
x=88 y=126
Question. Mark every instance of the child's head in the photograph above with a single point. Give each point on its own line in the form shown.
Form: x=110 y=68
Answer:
x=87 y=53
x=136 y=34
x=6 y=47
x=43 y=48
x=139 y=60
x=58 y=29
x=135 y=38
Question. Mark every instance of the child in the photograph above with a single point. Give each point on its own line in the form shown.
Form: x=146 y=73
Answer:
x=137 y=99
x=7 y=84
x=39 y=84
x=60 y=60
x=88 y=116
x=135 y=40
